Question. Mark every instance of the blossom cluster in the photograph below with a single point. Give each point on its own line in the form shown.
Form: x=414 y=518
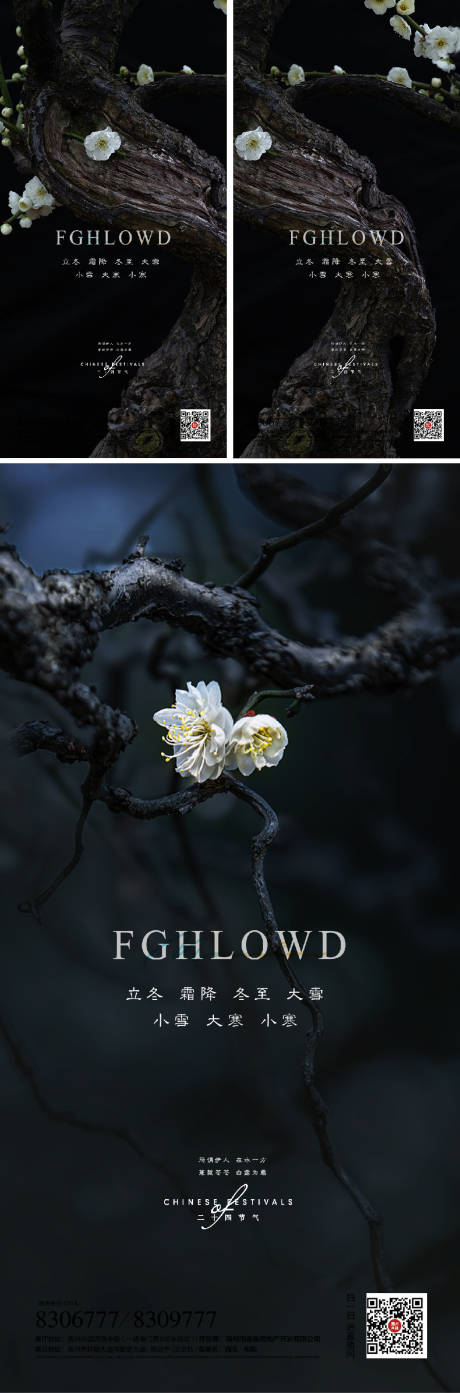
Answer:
x=34 y=202
x=205 y=739
x=437 y=44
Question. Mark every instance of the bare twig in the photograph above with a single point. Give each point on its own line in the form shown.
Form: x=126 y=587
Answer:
x=300 y=694
x=327 y=523
x=289 y=498
x=71 y=1119
x=316 y=1104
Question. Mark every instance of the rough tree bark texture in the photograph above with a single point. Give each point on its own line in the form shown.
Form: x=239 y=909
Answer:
x=311 y=179
x=50 y=626
x=162 y=180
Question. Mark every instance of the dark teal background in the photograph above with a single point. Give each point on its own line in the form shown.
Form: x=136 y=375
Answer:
x=367 y=796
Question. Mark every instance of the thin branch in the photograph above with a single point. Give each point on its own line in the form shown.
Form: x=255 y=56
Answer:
x=70 y=1119
x=35 y=905
x=288 y=498
x=327 y=523
x=300 y=693
x=317 y=1106
x=105 y=751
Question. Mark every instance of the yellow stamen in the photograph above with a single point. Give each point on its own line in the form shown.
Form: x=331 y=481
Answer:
x=261 y=741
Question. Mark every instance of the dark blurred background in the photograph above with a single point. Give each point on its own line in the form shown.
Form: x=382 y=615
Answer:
x=51 y=322
x=367 y=796
x=278 y=312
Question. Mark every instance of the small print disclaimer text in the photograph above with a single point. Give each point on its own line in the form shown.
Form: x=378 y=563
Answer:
x=396 y=1324
x=195 y=426
x=429 y=423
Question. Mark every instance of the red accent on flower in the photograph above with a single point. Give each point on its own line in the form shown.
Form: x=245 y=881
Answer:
x=249 y=713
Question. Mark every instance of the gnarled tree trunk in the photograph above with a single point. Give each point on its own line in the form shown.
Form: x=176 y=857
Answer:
x=312 y=179
x=161 y=180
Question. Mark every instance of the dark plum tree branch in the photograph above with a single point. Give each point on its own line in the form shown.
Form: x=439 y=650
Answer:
x=320 y=528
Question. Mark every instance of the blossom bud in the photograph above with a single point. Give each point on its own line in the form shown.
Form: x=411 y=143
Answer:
x=5 y=229
x=274 y=72
x=20 y=51
x=124 y=72
x=16 y=77
x=6 y=140
x=24 y=67
x=19 y=31
x=436 y=82
x=25 y=222
x=439 y=97
x=7 y=111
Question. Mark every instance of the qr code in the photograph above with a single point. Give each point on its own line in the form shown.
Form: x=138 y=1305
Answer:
x=195 y=425
x=429 y=423
x=396 y=1325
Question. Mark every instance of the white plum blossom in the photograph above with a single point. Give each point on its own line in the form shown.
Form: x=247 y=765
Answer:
x=257 y=742
x=36 y=196
x=100 y=145
x=250 y=145
x=144 y=75
x=220 y=5
x=336 y=69
x=379 y=6
x=405 y=7
x=186 y=69
x=199 y=729
x=400 y=76
x=35 y=201
x=400 y=27
x=295 y=75
x=441 y=41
